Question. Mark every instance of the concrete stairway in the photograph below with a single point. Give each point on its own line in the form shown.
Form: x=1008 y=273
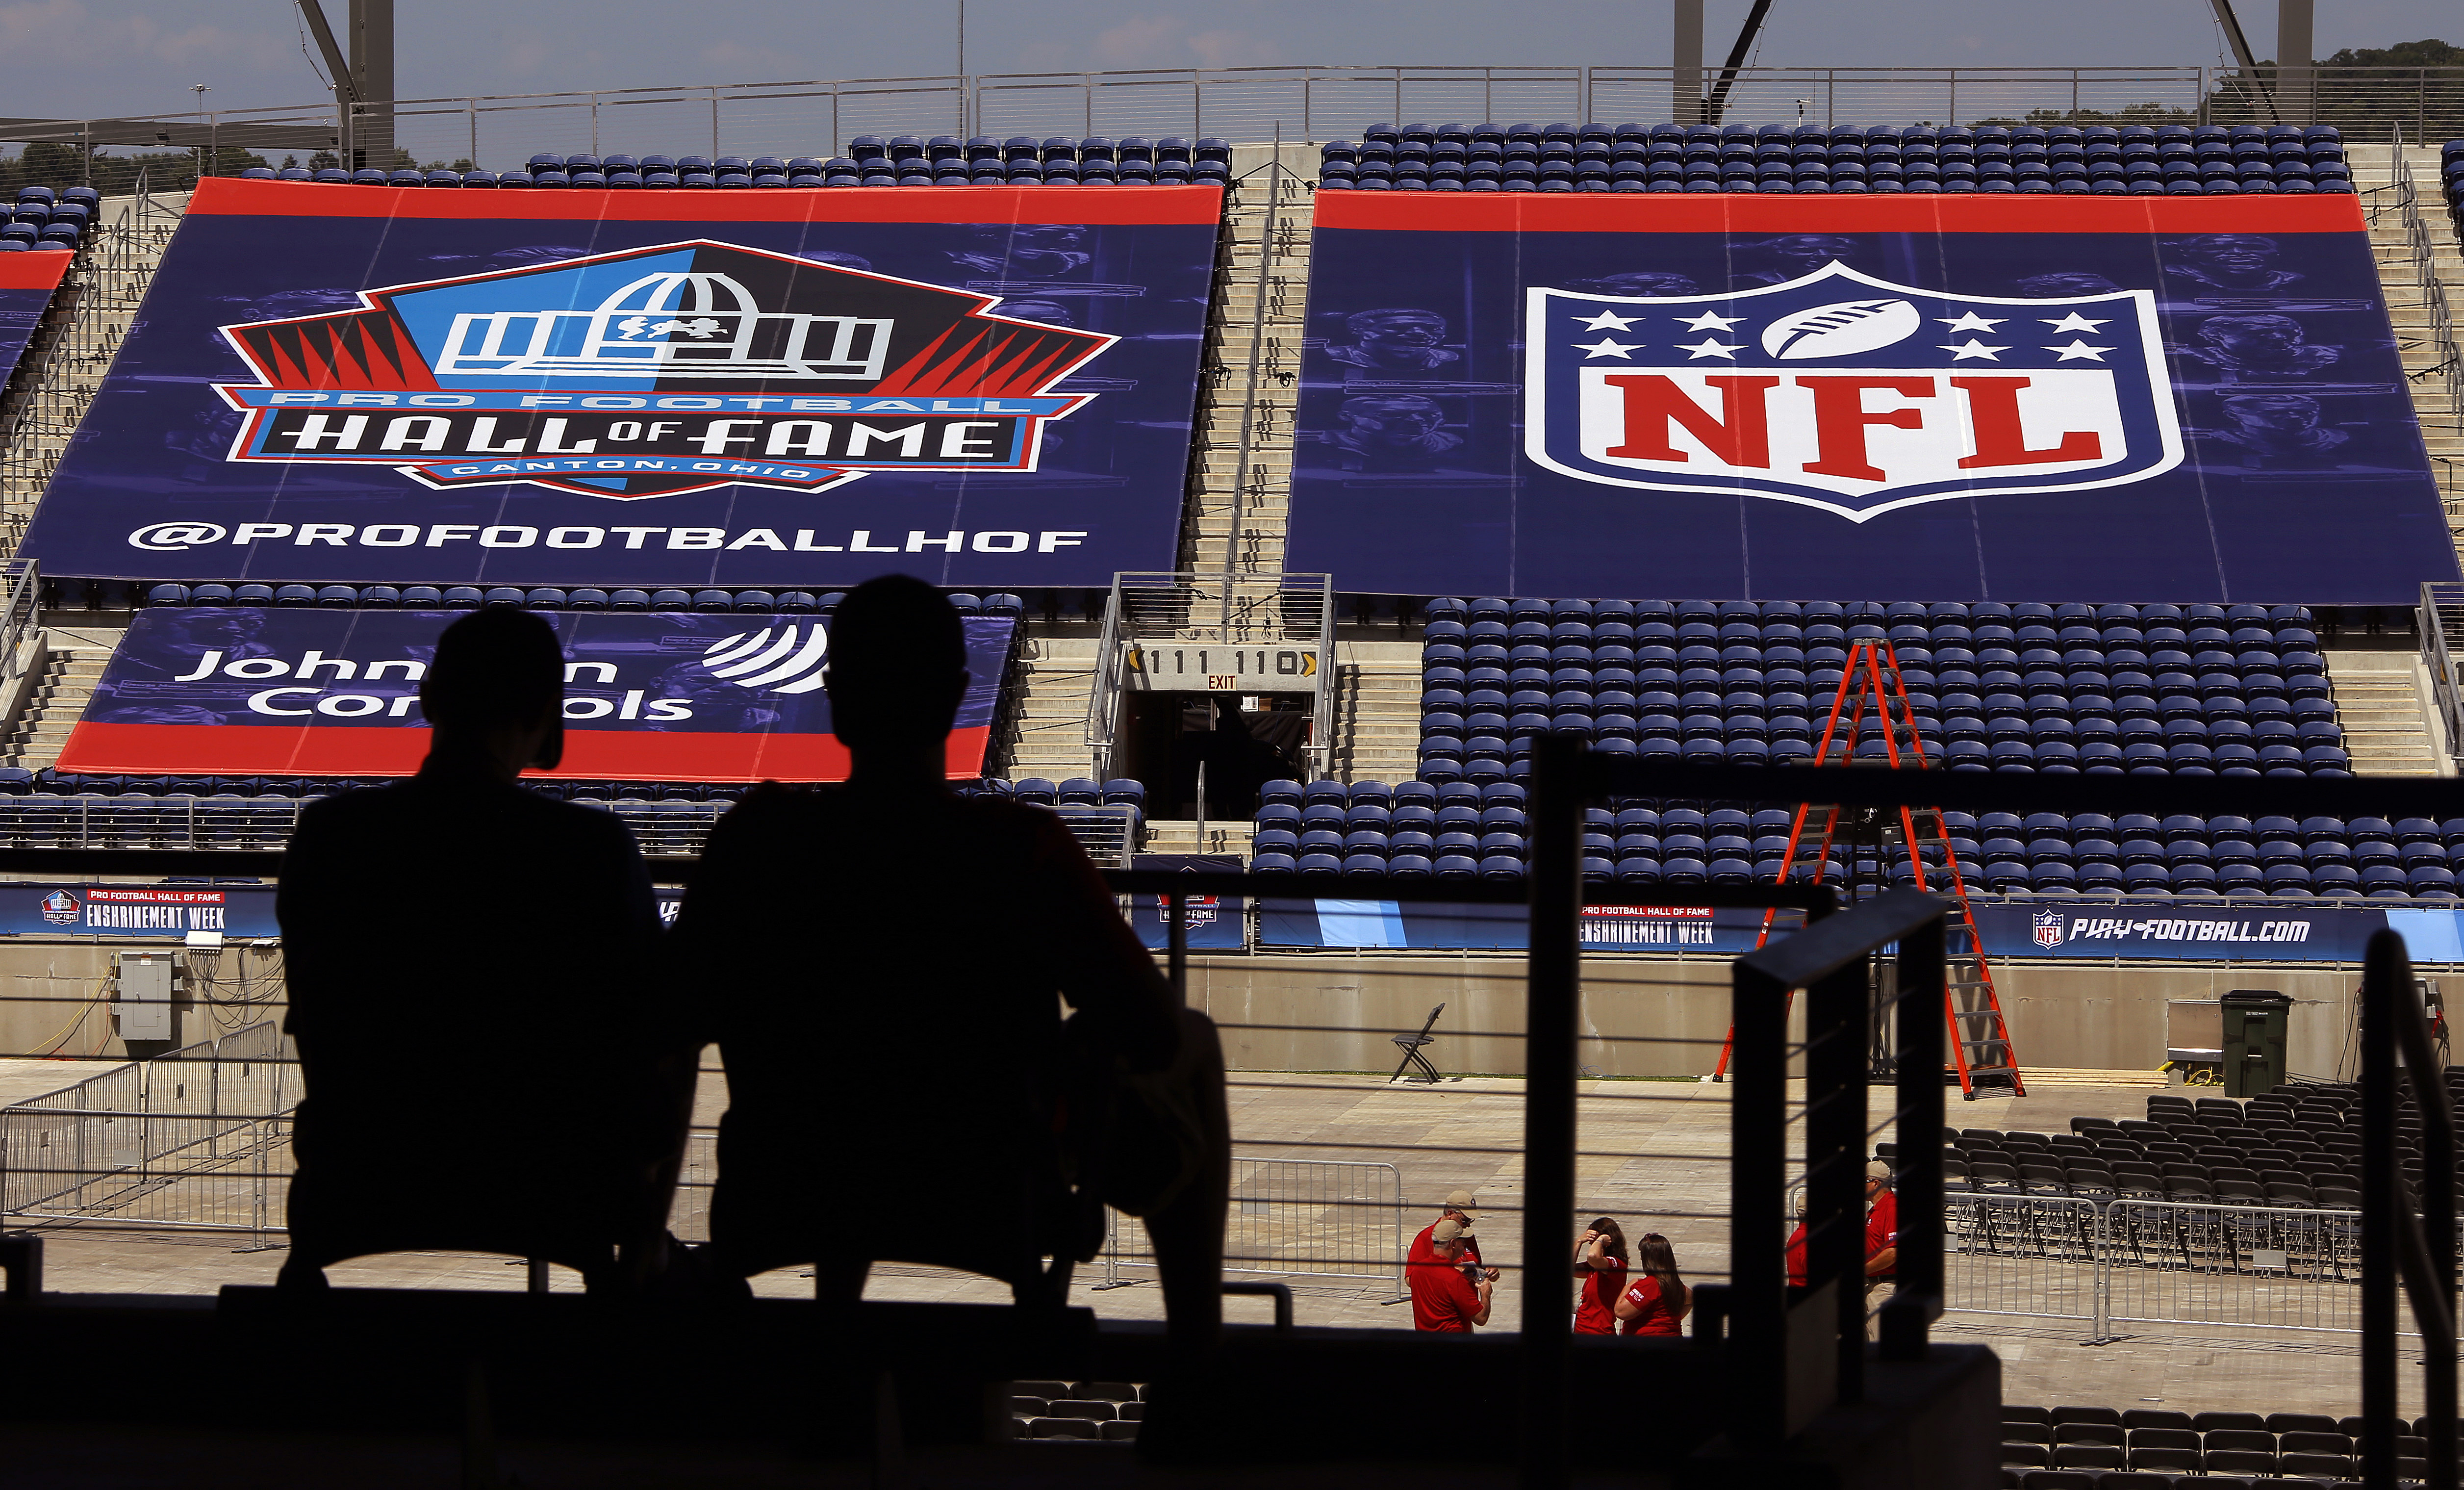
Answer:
x=69 y=677
x=1180 y=835
x=2388 y=728
x=1376 y=710
x=1059 y=673
x=2442 y=428
x=1223 y=509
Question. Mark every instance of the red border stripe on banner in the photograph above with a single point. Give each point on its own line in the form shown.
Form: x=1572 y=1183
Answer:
x=1706 y=212
x=1094 y=206
x=38 y=269
x=590 y=754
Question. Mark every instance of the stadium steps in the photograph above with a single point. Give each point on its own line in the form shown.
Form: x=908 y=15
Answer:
x=69 y=678
x=103 y=292
x=1058 y=673
x=1376 y=710
x=2379 y=706
x=2442 y=427
x=1180 y=835
x=1217 y=493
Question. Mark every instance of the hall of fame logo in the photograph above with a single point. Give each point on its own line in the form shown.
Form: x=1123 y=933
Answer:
x=1849 y=393
x=658 y=370
x=60 y=908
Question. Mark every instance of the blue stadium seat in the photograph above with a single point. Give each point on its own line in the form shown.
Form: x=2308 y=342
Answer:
x=337 y=596
x=546 y=600
x=500 y=595
x=464 y=597
x=168 y=595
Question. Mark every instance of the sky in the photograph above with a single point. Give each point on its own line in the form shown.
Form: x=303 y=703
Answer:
x=80 y=58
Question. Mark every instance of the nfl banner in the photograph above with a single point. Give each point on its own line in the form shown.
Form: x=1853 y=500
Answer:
x=243 y=691
x=990 y=387
x=29 y=281
x=1939 y=397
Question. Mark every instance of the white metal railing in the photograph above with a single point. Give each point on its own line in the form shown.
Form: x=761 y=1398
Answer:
x=2441 y=625
x=1295 y=103
x=1213 y=609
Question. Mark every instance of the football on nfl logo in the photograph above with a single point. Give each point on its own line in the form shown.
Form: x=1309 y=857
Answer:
x=1849 y=393
x=2047 y=927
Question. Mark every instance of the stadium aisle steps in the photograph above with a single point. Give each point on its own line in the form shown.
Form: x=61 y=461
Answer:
x=1058 y=674
x=1376 y=710
x=1209 y=520
x=69 y=678
x=2379 y=706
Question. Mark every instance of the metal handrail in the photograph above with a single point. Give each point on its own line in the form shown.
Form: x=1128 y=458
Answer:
x=2439 y=602
x=2421 y=253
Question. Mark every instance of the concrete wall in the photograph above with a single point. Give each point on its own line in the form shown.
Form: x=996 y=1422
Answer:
x=55 y=997
x=1667 y=1017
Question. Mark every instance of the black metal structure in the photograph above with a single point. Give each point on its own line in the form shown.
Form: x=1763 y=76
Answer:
x=2405 y=1236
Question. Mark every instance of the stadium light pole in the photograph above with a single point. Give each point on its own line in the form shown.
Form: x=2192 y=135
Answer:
x=1685 y=64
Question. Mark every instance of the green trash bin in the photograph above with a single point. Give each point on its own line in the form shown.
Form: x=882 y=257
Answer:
x=2257 y=1027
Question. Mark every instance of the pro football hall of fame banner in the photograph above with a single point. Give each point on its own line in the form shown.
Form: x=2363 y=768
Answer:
x=648 y=696
x=986 y=387
x=1928 y=397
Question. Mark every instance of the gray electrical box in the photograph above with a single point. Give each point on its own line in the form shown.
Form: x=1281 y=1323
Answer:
x=143 y=1005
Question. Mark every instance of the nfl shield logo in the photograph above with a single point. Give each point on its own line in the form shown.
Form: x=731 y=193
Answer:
x=2048 y=926
x=1849 y=393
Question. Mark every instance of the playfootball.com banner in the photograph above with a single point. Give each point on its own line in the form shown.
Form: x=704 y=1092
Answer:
x=241 y=691
x=988 y=387
x=1791 y=398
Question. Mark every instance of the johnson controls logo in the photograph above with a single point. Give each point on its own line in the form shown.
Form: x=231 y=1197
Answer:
x=1849 y=393
x=671 y=369
x=785 y=658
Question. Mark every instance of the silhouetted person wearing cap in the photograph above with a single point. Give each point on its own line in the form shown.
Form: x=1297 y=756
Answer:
x=469 y=967
x=879 y=962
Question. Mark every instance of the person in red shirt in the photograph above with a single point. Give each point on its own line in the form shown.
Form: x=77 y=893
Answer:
x=1444 y=1302
x=1600 y=1261
x=1882 y=1239
x=1458 y=1208
x=1658 y=1301
x=1796 y=1248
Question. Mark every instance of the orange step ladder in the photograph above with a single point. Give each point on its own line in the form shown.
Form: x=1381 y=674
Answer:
x=1870 y=687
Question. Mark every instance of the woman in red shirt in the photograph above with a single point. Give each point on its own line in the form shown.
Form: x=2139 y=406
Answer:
x=1600 y=1261
x=1659 y=1301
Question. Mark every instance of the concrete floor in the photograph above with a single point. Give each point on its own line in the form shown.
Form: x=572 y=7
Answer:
x=1654 y=1154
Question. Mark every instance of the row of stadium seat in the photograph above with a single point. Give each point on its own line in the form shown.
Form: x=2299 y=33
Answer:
x=871 y=161
x=2176 y=160
x=470 y=597
x=46 y=219
x=1880 y=134
x=1457 y=828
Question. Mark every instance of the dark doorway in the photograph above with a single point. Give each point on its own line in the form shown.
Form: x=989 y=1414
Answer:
x=1165 y=737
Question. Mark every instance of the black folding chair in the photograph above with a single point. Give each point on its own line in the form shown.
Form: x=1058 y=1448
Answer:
x=1411 y=1045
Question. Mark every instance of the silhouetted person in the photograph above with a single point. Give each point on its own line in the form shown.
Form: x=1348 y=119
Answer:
x=470 y=973
x=879 y=962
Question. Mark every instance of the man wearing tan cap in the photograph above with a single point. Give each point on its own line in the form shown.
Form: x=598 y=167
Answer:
x=1458 y=1208
x=1443 y=1301
x=1881 y=1238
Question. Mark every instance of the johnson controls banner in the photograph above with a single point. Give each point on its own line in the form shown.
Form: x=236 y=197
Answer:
x=988 y=387
x=647 y=696
x=1779 y=397
x=28 y=282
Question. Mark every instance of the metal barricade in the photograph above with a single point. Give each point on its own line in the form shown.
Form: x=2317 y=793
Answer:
x=2030 y=1255
x=2233 y=1266
x=1292 y=1218
x=162 y=1171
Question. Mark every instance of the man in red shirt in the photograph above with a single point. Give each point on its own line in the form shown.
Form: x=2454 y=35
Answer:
x=1882 y=1239
x=1458 y=1208
x=1443 y=1301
